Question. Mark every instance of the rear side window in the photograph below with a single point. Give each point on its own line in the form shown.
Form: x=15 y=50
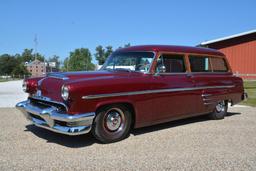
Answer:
x=207 y=64
x=200 y=64
x=219 y=65
x=173 y=63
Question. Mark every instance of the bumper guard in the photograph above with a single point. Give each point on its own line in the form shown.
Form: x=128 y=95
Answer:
x=52 y=119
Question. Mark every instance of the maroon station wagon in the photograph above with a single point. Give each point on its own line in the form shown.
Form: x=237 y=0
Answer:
x=137 y=86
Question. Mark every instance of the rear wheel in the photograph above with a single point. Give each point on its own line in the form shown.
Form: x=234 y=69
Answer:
x=112 y=123
x=220 y=110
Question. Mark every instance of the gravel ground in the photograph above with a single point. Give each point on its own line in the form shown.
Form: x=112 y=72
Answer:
x=191 y=144
x=11 y=93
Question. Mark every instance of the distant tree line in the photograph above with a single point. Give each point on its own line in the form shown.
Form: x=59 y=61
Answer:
x=14 y=65
x=79 y=60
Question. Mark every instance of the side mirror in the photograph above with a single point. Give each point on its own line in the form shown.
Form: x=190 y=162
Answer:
x=161 y=69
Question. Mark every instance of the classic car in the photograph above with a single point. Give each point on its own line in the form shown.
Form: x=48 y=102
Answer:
x=137 y=86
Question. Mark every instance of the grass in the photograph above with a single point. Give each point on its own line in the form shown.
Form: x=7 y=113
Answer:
x=3 y=80
x=8 y=79
x=250 y=87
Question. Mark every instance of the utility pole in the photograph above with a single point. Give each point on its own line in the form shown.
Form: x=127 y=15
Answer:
x=36 y=43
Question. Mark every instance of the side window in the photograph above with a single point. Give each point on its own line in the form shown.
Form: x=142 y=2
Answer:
x=219 y=64
x=172 y=63
x=200 y=64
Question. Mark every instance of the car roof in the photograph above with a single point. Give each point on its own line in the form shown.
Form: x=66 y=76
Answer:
x=172 y=48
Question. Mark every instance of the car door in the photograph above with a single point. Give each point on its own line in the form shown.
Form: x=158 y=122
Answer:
x=175 y=97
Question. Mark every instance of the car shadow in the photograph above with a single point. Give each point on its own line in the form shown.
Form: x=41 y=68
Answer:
x=175 y=123
x=61 y=139
x=87 y=139
x=232 y=113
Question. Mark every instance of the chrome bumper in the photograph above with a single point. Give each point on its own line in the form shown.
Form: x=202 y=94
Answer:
x=50 y=118
x=245 y=96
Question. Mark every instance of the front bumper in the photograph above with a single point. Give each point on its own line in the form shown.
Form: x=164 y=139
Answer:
x=52 y=119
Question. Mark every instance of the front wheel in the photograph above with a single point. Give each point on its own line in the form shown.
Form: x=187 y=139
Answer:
x=112 y=123
x=220 y=110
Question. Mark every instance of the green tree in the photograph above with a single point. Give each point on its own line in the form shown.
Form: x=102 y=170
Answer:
x=65 y=65
x=7 y=64
x=39 y=57
x=109 y=51
x=80 y=59
x=28 y=56
x=20 y=70
x=100 y=55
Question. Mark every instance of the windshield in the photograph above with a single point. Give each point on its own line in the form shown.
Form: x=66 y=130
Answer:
x=130 y=61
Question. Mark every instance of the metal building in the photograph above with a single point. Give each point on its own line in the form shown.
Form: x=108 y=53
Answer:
x=240 y=50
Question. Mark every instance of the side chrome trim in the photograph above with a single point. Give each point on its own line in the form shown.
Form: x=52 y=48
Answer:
x=97 y=96
x=206 y=95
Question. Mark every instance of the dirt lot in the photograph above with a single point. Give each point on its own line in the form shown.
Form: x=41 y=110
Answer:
x=191 y=144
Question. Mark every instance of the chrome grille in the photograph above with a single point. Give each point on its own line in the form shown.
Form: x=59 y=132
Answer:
x=44 y=104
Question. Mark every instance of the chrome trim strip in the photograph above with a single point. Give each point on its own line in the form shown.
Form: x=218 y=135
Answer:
x=211 y=103
x=207 y=99
x=97 y=96
x=206 y=95
x=75 y=124
x=57 y=75
x=64 y=78
x=40 y=81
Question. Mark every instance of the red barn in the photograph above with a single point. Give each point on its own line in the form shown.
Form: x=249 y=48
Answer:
x=240 y=50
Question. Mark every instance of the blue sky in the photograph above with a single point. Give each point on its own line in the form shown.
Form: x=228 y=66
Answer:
x=63 y=25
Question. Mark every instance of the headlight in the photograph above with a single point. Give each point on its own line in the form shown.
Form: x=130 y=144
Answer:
x=64 y=92
x=25 y=86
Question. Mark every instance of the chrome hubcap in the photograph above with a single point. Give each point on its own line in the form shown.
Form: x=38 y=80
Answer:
x=113 y=120
x=220 y=107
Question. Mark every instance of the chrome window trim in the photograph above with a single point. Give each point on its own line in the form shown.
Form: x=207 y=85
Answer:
x=211 y=73
x=177 y=73
x=172 y=73
x=97 y=96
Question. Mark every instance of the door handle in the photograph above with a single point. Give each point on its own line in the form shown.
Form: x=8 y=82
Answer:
x=190 y=75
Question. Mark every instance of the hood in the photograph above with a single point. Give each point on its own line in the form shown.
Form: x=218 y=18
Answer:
x=50 y=85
